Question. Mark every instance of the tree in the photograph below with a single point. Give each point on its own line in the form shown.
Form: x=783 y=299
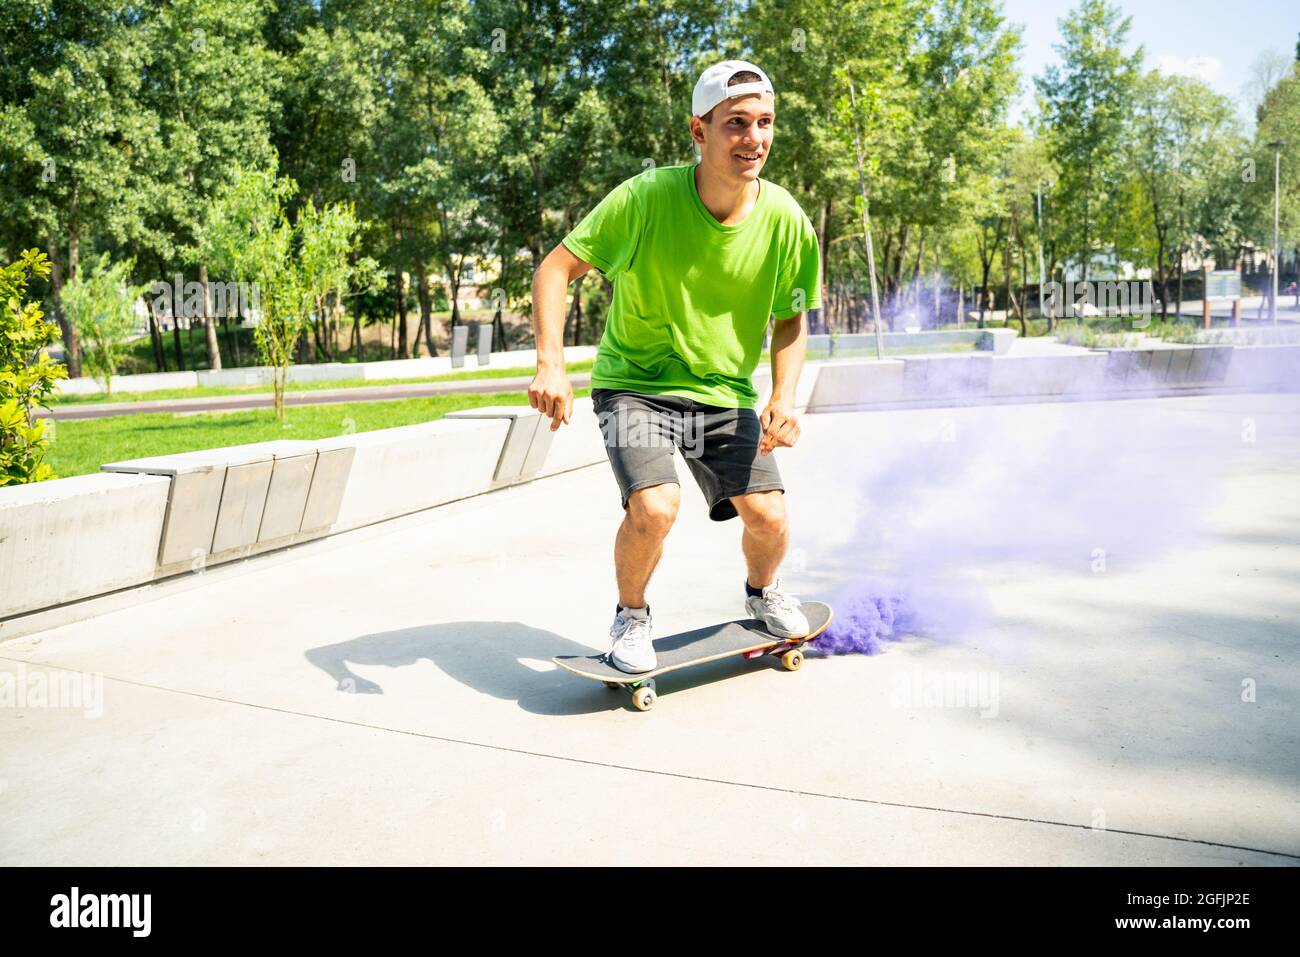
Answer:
x=1278 y=122
x=1085 y=103
x=246 y=234
x=100 y=305
x=1186 y=132
x=328 y=241
x=71 y=134
x=210 y=83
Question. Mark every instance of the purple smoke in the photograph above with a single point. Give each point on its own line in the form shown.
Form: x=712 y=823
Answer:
x=945 y=502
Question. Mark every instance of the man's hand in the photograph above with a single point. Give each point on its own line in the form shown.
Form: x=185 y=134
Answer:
x=551 y=393
x=780 y=426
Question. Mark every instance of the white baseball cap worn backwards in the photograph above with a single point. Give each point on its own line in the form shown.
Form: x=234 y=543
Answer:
x=712 y=87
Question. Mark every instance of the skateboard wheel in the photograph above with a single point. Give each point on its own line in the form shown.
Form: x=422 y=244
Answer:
x=613 y=685
x=643 y=699
x=792 y=660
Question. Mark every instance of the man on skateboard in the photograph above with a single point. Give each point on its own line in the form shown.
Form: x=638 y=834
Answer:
x=701 y=256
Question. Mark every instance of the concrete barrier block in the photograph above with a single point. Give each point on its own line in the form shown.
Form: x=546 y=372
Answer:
x=518 y=461
x=1266 y=368
x=1046 y=375
x=1160 y=359
x=414 y=467
x=946 y=376
x=72 y=538
x=850 y=383
x=538 y=449
x=1180 y=362
x=286 y=497
x=1085 y=373
x=243 y=497
x=328 y=481
x=575 y=445
x=803 y=390
x=1220 y=360
x=1206 y=366
x=1120 y=365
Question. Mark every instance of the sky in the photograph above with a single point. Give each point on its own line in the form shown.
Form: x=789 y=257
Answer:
x=1213 y=40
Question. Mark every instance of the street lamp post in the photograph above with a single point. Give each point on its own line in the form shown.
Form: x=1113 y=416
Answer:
x=1276 y=147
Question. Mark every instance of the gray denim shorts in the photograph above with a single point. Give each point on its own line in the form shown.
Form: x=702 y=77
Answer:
x=720 y=446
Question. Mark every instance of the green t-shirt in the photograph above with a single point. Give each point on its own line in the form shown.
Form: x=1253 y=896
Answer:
x=692 y=297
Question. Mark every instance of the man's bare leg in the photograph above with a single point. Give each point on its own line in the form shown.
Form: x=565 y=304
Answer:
x=640 y=539
x=766 y=535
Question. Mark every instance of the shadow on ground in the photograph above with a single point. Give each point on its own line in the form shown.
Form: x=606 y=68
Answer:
x=506 y=659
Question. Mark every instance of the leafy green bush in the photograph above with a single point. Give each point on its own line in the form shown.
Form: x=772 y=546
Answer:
x=27 y=374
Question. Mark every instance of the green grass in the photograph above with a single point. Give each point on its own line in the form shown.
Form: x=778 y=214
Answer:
x=80 y=447
x=203 y=392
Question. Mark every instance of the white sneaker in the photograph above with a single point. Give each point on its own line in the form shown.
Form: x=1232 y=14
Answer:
x=632 y=650
x=780 y=613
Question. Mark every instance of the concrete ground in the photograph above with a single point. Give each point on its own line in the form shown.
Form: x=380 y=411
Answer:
x=1129 y=585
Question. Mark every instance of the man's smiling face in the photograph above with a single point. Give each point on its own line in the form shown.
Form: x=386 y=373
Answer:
x=737 y=141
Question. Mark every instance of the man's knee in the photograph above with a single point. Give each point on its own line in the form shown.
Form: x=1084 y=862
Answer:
x=762 y=512
x=653 y=510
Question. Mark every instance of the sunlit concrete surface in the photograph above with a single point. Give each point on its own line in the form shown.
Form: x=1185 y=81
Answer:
x=389 y=698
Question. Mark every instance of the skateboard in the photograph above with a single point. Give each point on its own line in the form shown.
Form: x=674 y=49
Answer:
x=745 y=636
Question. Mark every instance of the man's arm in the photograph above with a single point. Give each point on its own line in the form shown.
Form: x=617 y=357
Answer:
x=551 y=393
x=789 y=346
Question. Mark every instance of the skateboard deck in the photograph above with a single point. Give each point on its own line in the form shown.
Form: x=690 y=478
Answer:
x=744 y=636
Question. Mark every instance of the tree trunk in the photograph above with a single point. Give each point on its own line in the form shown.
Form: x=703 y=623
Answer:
x=155 y=339
x=426 y=306
x=1178 y=307
x=402 y=342
x=316 y=330
x=176 y=341
x=209 y=322
x=71 y=341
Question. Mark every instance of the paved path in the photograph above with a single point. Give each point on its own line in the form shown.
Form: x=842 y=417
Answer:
x=388 y=697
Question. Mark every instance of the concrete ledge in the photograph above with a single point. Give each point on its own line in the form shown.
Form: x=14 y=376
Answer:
x=1265 y=367
x=945 y=376
x=848 y=383
x=215 y=501
x=401 y=470
x=71 y=538
x=1046 y=375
